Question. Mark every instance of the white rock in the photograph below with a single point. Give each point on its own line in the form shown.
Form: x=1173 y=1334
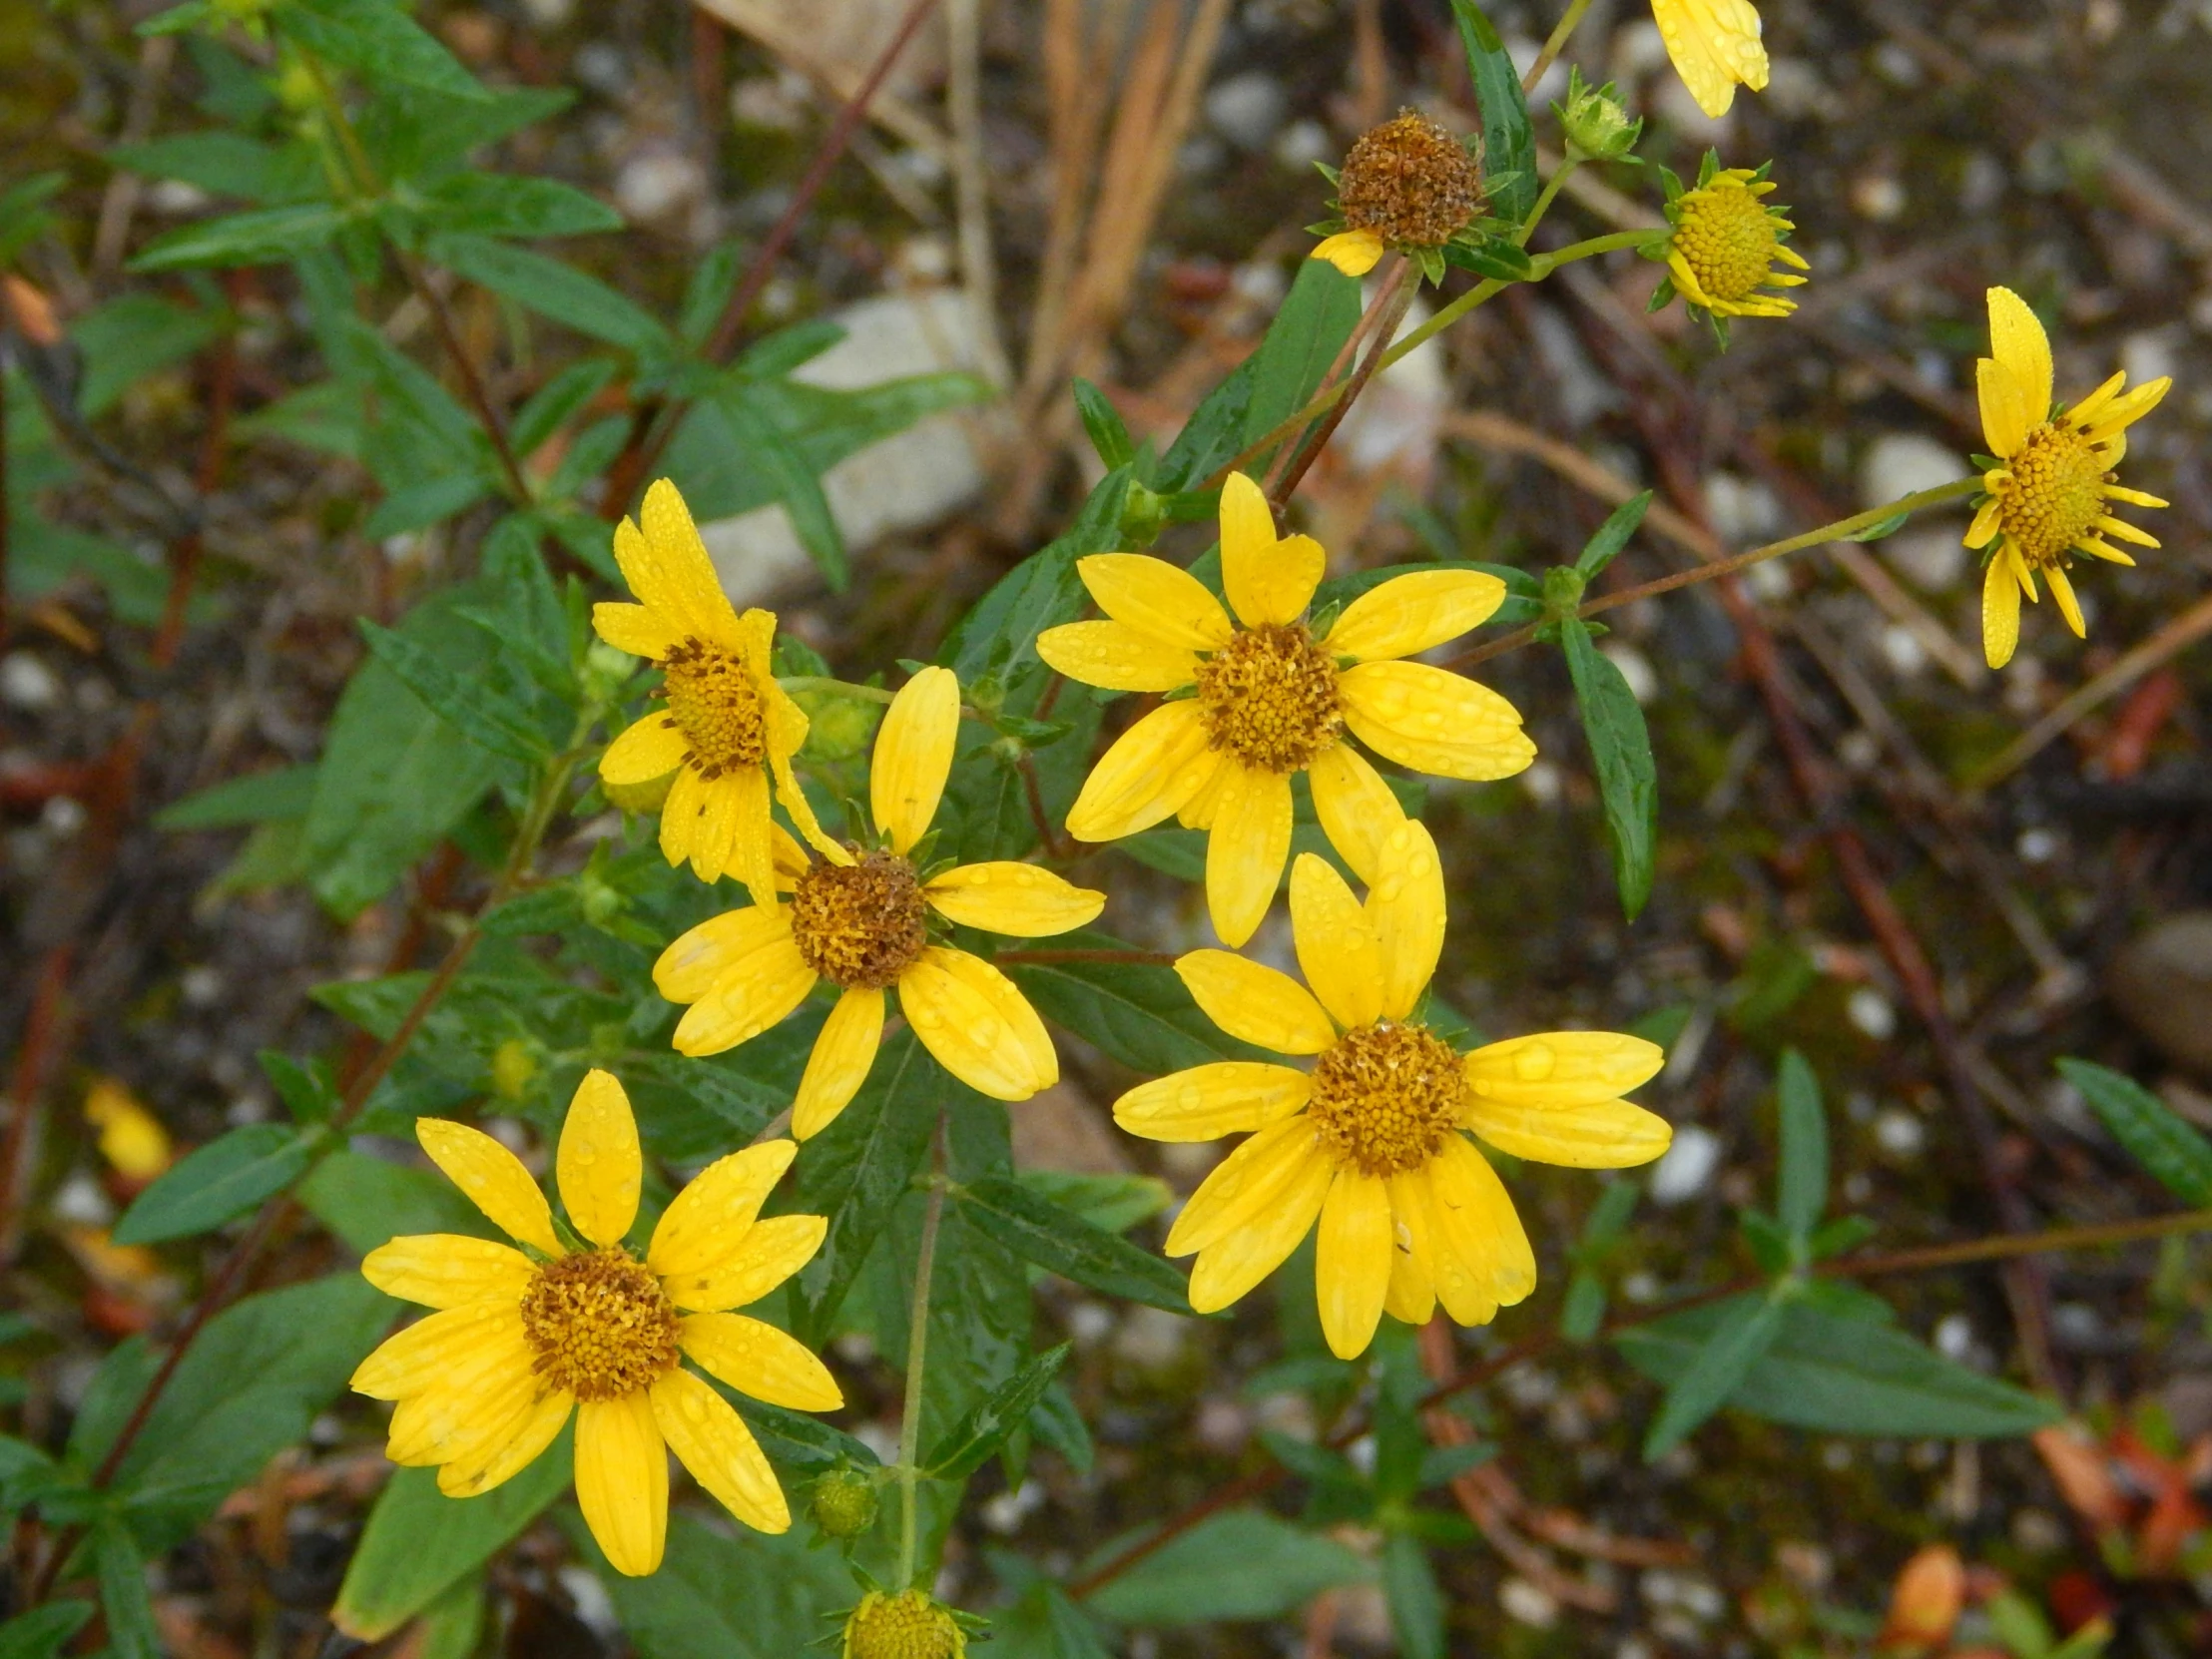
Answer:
x=1303 y=143
x=1744 y=511
x=1247 y=109
x=1635 y=667
x=1873 y=1013
x=1898 y=1133
x=1689 y=1164
x=27 y=683
x=590 y=1598
x=657 y=182
x=910 y=479
x=1898 y=464
x=1583 y=392
x=1527 y=1603
x=2150 y=355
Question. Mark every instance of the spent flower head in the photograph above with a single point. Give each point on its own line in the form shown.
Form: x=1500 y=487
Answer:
x=1406 y=187
x=2049 y=476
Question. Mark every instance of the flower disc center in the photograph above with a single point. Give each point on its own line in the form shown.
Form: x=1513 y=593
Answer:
x=860 y=925
x=1727 y=238
x=711 y=700
x=1410 y=181
x=905 y=1626
x=1270 y=697
x=1386 y=1096
x=600 y=1323
x=2055 y=495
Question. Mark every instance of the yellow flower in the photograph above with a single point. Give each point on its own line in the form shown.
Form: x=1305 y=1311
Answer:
x=728 y=726
x=1715 y=45
x=1725 y=244
x=861 y=919
x=1271 y=700
x=1405 y=184
x=2046 y=502
x=486 y=1382
x=1370 y=1140
x=909 y=1625
x=131 y=1137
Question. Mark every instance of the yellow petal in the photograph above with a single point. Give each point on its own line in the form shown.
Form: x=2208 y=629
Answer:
x=1355 y=252
x=1352 y=1261
x=2000 y=612
x=498 y=1458
x=1356 y=808
x=2123 y=412
x=1149 y=772
x=494 y=1180
x=1561 y=1068
x=760 y=1362
x=1715 y=45
x=2097 y=548
x=2125 y=531
x=2085 y=411
x=1336 y=946
x=450 y=1270
x=1245 y=849
x=707 y=1221
x=637 y=629
x=1410 y=614
x=1245 y=1183
x=771 y=1252
x=1198 y=812
x=1984 y=525
x=1161 y=601
x=1204 y=1103
x=600 y=1167
x=1606 y=1134
x=622 y=1481
x=1434 y=721
x=679 y=814
x=787 y=731
x=679 y=578
x=744 y=794
x=1117 y=656
x=741 y=971
x=1020 y=900
x=1411 y=1297
x=1267 y=581
x=913 y=756
x=2061 y=589
x=838 y=1065
x=650 y=748
x=712 y=1441
x=1226 y=1270
x=1405 y=910
x=700 y=958
x=977 y=1024
x=1258 y=1003
x=480 y=1400
x=2004 y=422
x=416 y=1357
x=2018 y=340
x=1477 y=1235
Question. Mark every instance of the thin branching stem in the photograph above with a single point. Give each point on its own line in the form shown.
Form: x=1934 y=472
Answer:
x=1555 y=45
x=918 y=1361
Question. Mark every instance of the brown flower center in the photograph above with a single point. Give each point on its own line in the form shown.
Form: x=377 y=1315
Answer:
x=860 y=925
x=712 y=701
x=1410 y=181
x=1270 y=697
x=1386 y=1096
x=905 y=1626
x=2056 y=493
x=600 y=1323
x=1727 y=238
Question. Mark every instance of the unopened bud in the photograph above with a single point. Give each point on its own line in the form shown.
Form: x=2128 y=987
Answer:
x=843 y=1503
x=909 y=1625
x=1143 y=513
x=1596 y=122
x=837 y=727
x=513 y=1065
x=1563 y=585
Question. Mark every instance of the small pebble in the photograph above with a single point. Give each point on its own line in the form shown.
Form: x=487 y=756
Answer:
x=1527 y=1603
x=1898 y=1133
x=1873 y=1013
x=1247 y=109
x=27 y=683
x=1687 y=1167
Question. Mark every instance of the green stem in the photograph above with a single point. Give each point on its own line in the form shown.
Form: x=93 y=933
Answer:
x=918 y=1359
x=1544 y=201
x=1555 y=45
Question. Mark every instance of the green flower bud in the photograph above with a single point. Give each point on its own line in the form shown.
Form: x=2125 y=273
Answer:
x=843 y=1503
x=909 y=1625
x=837 y=728
x=1143 y=513
x=1563 y=585
x=513 y=1066
x=1596 y=122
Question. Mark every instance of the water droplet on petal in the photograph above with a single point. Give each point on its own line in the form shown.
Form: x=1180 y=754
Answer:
x=1190 y=1097
x=1535 y=1062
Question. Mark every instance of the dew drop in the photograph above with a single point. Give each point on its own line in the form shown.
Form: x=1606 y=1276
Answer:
x=1535 y=1062
x=1190 y=1097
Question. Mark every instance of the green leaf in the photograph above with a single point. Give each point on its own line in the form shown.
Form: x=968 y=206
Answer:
x=418 y=1542
x=1804 y=1190
x=132 y=336
x=794 y=1437
x=1114 y=1202
x=1627 y=776
x=1508 y=142
x=266 y=235
x=413 y=135
x=556 y=403
x=515 y=205
x=1045 y=1624
x=997 y=638
x=859 y=1168
x=486 y=717
x=1239 y=1565
x=553 y=290
x=1417 y=1601
x=223 y=1178
x=1879 y=529
x=306 y=1088
x=796 y=485
x=1737 y=1341
x=1103 y=422
x=1499 y=261
x=994 y=1419
x=2154 y=1136
x=40 y=1634
x=1139 y=1013
x=380 y=42
x=1213 y=434
x=717 y=1596
x=1844 y=1376
x=1623 y=522
x=366 y=1200
x=256 y=797
x=132 y=1633
x=1317 y=318
x=1059 y=1241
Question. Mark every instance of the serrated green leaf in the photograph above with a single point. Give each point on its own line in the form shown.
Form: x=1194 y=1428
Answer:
x=366 y=1200
x=557 y=402
x=1213 y=434
x=1316 y=319
x=220 y=1181
x=380 y=42
x=266 y=235
x=2175 y=1155
x=553 y=290
x=132 y=1633
x=1499 y=261
x=1508 y=141
x=1627 y=776
x=485 y=716
x=1724 y=1357
x=1885 y=527
x=1059 y=1241
x=1139 y=1014
x=1804 y=1189
x=132 y=336
x=515 y=205
x=719 y=1597
x=797 y=486
x=974 y=1439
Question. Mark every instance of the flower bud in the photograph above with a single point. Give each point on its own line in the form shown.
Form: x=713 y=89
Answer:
x=1143 y=513
x=909 y=1625
x=843 y=1503
x=1596 y=122
x=514 y=1064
